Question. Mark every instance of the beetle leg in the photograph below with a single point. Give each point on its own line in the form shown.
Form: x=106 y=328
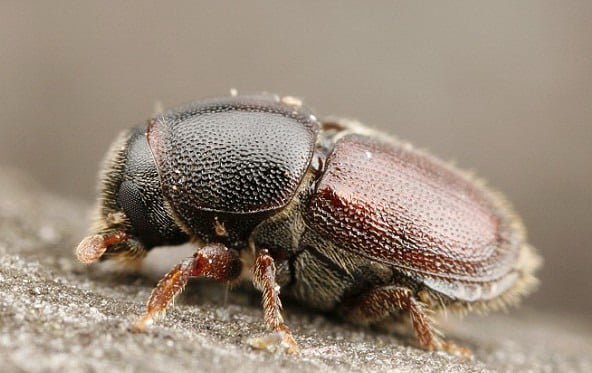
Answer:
x=381 y=302
x=213 y=261
x=264 y=280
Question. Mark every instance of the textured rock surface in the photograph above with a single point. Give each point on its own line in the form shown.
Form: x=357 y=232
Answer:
x=56 y=315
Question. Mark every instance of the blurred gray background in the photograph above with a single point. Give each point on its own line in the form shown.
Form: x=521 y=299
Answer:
x=503 y=88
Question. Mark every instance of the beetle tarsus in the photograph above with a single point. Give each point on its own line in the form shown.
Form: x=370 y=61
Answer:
x=264 y=279
x=164 y=293
x=271 y=341
x=456 y=350
x=288 y=341
x=213 y=261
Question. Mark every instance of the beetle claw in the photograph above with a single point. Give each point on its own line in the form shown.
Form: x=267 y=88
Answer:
x=272 y=341
x=290 y=344
x=457 y=350
x=143 y=324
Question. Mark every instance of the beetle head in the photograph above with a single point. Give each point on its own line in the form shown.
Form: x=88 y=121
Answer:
x=131 y=216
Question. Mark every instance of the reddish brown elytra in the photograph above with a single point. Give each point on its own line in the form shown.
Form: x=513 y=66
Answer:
x=335 y=215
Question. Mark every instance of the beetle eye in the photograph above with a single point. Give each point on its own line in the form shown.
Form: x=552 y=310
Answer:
x=130 y=200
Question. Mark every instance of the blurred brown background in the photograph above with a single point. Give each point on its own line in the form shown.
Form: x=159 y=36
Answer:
x=503 y=88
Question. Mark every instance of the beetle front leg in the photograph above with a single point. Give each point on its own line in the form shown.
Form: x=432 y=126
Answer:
x=264 y=279
x=212 y=261
x=381 y=302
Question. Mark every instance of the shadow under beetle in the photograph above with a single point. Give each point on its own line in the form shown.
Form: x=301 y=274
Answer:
x=338 y=216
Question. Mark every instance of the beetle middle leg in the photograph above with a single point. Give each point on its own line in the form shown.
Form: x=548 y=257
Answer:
x=379 y=303
x=213 y=261
x=264 y=279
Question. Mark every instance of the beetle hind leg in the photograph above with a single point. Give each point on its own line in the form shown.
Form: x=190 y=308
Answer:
x=264 y=279
x=381 y=302
x=213 y=261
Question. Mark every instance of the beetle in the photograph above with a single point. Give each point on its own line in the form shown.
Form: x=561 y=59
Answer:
x=338 y=216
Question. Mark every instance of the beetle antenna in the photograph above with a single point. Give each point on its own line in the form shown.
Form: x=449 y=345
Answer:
x=94 y=246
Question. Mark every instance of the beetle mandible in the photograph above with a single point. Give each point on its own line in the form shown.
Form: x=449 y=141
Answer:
x=332 y=213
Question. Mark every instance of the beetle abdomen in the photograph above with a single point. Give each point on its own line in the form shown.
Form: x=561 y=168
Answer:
x=393 y=204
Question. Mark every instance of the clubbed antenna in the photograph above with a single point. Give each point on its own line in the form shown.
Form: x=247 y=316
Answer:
x=94 y=246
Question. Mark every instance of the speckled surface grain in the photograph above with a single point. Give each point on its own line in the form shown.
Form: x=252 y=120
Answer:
x=56 y=315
